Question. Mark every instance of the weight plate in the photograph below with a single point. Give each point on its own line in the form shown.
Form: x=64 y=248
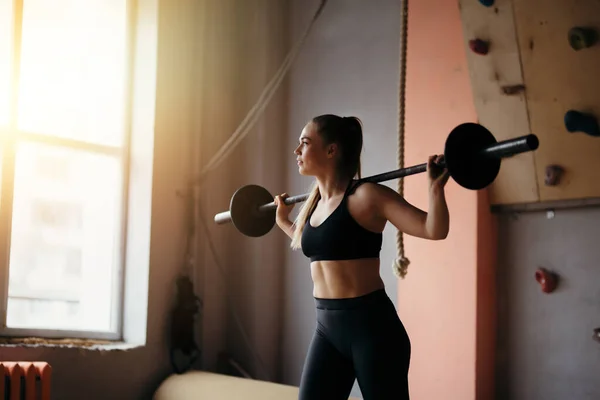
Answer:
x=244 y=210
x=464 y=159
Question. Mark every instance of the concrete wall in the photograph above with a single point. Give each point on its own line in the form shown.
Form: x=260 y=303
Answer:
x=545 y=345
x=348 y=66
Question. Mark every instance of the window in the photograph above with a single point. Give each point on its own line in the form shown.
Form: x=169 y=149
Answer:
x=64 y=146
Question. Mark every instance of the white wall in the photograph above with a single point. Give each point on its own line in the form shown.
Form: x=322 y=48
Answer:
x=545 y=345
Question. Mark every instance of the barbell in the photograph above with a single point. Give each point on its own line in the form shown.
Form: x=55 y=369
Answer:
x=471 y=154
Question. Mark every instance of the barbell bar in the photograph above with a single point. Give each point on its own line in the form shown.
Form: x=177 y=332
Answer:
x=471 y=154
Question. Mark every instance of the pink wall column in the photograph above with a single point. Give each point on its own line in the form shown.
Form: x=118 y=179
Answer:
x=446 y=300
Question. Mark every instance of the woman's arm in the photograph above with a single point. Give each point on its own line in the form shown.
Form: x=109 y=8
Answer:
x=282 y=215
x=433 y=224
x=389 y=205
x=438 y=216
x=286 y=226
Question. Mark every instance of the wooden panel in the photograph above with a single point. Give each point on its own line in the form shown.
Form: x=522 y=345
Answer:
x=504 y=115
x=559 y=78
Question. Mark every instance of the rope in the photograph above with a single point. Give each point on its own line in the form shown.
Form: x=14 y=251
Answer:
x=194 y=208
x=250 y=120
x=401 y=262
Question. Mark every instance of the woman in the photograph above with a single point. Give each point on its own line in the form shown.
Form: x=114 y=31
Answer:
x=359 y=334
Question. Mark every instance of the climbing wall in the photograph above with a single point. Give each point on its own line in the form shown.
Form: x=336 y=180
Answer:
x=533 y=66
x=559 y=79
x=495 y=67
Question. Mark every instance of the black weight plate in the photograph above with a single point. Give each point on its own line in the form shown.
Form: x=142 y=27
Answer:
x=244 y=210
x=462 y=153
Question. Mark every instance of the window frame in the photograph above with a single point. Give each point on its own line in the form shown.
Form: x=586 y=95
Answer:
x=10 y=136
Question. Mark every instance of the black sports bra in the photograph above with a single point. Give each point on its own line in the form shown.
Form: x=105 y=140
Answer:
x=340 y=237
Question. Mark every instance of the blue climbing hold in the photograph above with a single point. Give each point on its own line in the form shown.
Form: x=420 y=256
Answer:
x=576 y=121
x=581 y=38
x=487 y=3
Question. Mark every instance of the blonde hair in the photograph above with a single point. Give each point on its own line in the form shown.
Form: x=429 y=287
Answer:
x=347 y=133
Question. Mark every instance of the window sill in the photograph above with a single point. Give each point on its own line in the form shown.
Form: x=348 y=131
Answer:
x=85 y=344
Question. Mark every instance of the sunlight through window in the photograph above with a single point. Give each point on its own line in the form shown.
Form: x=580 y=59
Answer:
x=66 y=205
x=72 y=69
x=6 y=39
x=68 y=196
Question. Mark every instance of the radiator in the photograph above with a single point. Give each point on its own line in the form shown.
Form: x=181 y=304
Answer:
x=25 y=380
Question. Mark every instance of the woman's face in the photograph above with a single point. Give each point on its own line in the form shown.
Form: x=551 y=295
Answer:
x=313 y=156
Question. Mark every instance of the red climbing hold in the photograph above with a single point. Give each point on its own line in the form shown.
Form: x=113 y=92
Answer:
x=553 y=175
x=547 y=280
x=479 y=46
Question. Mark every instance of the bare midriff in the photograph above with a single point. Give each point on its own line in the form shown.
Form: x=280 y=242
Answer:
x=346 y=278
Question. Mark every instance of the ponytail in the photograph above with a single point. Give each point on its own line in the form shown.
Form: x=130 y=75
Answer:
x=351 y=164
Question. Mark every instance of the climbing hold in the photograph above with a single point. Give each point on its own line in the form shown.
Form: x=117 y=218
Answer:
x=487 y=3
x=513 y=89
x=479 y=46
x=553 y=175
x=547 y=280
x=596 y=335
x=576 y=121
x=581 y=38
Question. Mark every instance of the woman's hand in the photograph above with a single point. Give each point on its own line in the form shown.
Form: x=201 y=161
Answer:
x=438 y=176
x=283 y=210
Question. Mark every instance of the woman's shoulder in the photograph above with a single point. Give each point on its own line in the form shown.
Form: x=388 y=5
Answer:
x=372 y=191
x=377 y=198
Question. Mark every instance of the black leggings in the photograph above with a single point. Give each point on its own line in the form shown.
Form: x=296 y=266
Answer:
x=362 y=338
